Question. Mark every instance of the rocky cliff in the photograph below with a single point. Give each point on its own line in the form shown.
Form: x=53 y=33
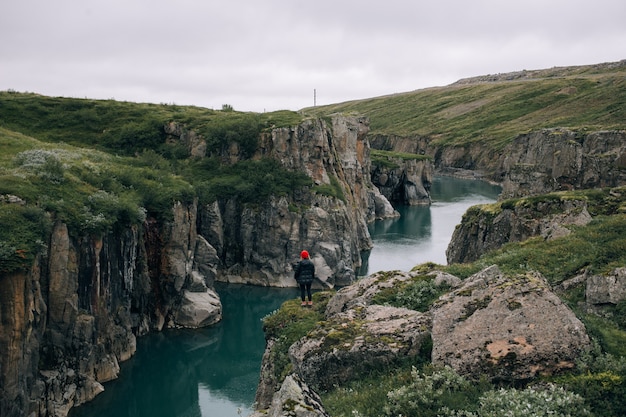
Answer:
x=404 y=182
x=67 y=322
x=559 y=159
x=533 y=163
x=259 y=244
x=71 y=319
x=488 y=227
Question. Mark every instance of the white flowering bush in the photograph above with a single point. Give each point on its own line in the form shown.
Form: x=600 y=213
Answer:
x=444 y=393
x=427 y=395
x=549 y=401
x=45 y=163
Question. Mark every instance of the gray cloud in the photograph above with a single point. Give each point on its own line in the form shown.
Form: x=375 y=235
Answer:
x=269 y=55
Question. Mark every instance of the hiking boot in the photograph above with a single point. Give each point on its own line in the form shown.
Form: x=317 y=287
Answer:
x=310 y=303
x=304 y=304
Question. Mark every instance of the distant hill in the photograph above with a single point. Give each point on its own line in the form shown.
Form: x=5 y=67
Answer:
x=493 y=109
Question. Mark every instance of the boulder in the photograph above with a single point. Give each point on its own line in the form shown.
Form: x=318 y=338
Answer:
x=356 y=341
x=294 y=399
x=508 y=328
x=198 y=309
x=606 y=289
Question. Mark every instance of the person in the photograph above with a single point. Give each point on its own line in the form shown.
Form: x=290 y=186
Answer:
x=304 y=274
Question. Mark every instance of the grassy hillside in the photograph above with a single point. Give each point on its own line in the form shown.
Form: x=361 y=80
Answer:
x=495 y=109
x=127 y=128
x=99 y=165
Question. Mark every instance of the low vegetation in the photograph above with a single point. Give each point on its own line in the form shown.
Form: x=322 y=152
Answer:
x=494 y=110
x=388 y=159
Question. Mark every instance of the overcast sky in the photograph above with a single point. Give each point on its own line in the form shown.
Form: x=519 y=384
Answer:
x=265 y=55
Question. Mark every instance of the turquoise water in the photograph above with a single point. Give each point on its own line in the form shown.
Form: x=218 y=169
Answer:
x=422 y=233
x=209 y=372
x=214 y=372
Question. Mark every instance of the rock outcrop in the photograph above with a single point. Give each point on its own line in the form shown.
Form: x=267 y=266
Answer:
x=406 y=182
x=559 y=159
x=294 y=399
x=508 y=328
x=488 y=227
x=535 y=163
x=606 y=289
x=259 y=245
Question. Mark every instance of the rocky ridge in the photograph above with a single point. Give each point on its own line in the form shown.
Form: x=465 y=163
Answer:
x=505 y=328
x=485 y=228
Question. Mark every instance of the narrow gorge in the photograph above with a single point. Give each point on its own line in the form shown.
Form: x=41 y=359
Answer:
x=71 y=318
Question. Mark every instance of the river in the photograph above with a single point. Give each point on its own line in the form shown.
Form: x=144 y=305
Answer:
x=214 y=372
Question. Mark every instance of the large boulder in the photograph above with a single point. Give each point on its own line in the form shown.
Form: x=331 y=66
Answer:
x=199 y=309
x=510 y=328
x=606 y=289
x=294 y=399
x=356 y=341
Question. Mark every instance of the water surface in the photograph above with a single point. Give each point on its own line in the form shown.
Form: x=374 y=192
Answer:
x=422 y=233
x=212 y=372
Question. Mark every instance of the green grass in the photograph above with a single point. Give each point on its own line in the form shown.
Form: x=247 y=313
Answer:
x=493 y=113
x=127 y=128
x=290 y=323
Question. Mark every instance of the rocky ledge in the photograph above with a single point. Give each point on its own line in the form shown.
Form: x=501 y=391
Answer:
x=490 y=324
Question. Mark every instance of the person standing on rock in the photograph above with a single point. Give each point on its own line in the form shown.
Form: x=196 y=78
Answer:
x=304 y=275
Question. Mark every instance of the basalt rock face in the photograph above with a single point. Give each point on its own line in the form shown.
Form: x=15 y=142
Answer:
x=558 y=159
x=535 y=163
x=68 y=323
x=259 y=245
x=488 y=228
x=407 y=182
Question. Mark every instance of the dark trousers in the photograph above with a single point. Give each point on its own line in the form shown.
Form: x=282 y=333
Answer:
x=305 y=289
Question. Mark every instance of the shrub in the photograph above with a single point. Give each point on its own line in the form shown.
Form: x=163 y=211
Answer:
x=24 y=232
x=332 y=190
x=549 y=401
x=417 y=294
x=430 y=394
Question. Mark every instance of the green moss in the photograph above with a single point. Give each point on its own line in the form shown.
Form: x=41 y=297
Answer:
x=417 y=294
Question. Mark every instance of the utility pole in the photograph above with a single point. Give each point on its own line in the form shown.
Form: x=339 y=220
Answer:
x=314 y=97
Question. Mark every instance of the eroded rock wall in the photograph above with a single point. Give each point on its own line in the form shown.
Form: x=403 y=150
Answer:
x=558 y=159
x=485 y=228
x=533 y=163
x=406 y=182
x=260 y=244
x=66 y=324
